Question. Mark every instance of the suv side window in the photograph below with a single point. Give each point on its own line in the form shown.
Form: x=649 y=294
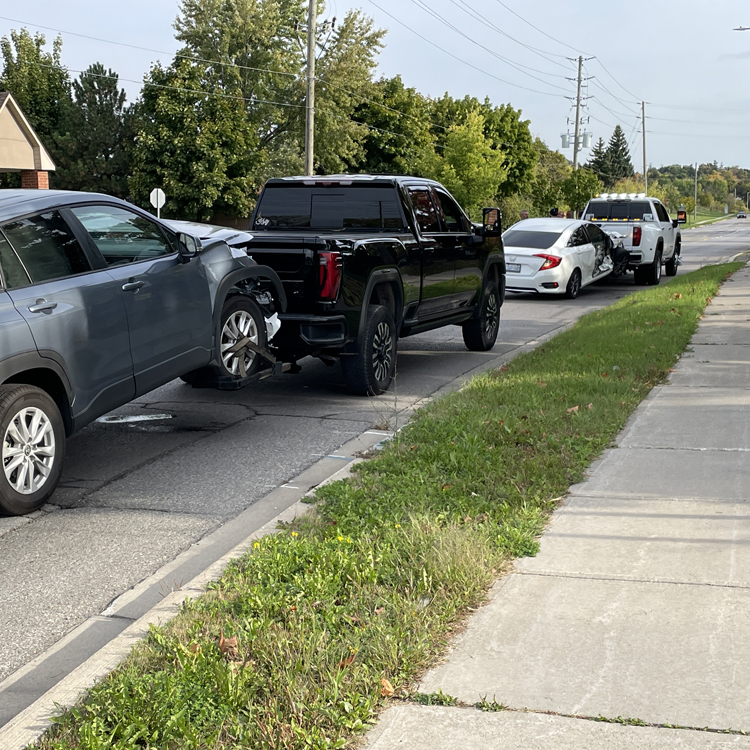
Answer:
x=121 y=235
x=46 y=247
x=452 y=215
x=578 y=237
x=13 y=272
x=424 y=210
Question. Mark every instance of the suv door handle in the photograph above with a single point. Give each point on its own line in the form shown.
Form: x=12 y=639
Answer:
x=42 y=306
x=133 y=286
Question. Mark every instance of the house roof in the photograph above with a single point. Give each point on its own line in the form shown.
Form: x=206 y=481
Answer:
x=20 y=146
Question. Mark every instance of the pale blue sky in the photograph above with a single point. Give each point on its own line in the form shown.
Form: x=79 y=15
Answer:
x=675 y=55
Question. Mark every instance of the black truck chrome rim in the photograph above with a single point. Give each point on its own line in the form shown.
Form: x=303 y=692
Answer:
x=382 y=345
x=491 y=315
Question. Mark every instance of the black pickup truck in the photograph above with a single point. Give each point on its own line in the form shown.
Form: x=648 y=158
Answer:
x=367 y=259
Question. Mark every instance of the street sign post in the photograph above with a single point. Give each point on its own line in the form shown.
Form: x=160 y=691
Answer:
x=158 y=199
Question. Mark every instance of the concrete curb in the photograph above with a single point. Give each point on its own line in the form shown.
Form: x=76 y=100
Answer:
x=31 y=723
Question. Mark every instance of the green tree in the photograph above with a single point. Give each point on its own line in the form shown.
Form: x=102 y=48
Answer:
x=550 y=173
x=468 y=165
x=503 y=127
x=579 y=187
x=618 y=157
x=91 y=148
x=193 y=140
x=400 y=135
x=37 y=80
x=599 y=163
x=251 y=37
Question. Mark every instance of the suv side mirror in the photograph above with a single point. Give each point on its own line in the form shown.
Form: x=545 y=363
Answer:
x=188 y=247
x=491 y=222
x=681 y=218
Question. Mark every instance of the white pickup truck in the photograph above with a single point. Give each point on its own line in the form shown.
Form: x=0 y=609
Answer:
x=648 y=234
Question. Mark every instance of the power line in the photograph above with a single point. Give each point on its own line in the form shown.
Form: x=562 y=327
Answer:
x=174 y=88
x=448 y=24
x=455 y=57
x=212 y=62
x=148 y=49
x=487 y=22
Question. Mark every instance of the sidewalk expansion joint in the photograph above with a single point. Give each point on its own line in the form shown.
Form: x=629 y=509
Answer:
x=682 y=448
x=444 y=700
x=624 y=579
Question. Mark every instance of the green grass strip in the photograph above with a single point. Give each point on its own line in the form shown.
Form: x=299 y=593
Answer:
x=323 y=621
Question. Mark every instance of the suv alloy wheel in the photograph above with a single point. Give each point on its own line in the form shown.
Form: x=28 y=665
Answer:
x=32 y=448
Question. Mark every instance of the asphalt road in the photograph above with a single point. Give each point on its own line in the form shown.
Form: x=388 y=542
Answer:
x=136 y=494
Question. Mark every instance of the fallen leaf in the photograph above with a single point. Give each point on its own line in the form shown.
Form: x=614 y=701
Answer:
x=228 y=646
x=386 y=689
x=347 y=662
x=467 y=519
x=195 y=648
x=379 y=610
x=572 y=409
x=503 y=369
x=541 y=384
x=605 y=374
x=677 y=295
x=590 y=406
x=444 y=487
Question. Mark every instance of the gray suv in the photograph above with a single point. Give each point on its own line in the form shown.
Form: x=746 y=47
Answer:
x=101 y=303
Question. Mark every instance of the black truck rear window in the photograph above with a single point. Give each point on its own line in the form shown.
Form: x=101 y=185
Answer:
x=618 y=211
x=335 y=207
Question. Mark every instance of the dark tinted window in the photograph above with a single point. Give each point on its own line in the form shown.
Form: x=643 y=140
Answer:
x=46 y=247
x=595 y=234
x=534 y=240
x=14 y=273
x=617 y=210
x=424 y=210
x=579 y=237
x=122 y=236
x=336 y=207
x=452 y=214
x=661 y=212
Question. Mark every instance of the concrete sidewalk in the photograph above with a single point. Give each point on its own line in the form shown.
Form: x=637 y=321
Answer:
x=638 y=604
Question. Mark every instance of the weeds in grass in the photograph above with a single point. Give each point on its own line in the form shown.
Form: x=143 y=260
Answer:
x=302 y=639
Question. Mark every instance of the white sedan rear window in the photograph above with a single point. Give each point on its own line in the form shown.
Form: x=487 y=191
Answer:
x=526 y=238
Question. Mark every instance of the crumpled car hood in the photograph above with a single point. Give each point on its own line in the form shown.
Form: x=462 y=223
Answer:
x=211 y=232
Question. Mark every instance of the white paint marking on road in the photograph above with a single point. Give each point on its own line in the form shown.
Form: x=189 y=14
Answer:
x=134 y=418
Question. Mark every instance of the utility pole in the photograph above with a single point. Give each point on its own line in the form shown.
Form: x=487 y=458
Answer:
x=645 y=168
x=312 y=22
x=695 y=203
x=578 y=115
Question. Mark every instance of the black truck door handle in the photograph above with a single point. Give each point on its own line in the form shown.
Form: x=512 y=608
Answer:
x=133 y=286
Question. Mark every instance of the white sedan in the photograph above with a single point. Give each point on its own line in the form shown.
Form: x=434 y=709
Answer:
x=555 y=256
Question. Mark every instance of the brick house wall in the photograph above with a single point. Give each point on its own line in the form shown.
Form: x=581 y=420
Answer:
x=34 y=179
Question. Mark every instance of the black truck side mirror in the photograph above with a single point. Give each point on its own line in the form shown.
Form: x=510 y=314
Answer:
x=491 y=222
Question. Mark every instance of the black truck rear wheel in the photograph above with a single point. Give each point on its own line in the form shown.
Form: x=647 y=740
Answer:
x=369 y=371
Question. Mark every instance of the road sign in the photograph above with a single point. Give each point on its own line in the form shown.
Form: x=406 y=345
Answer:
x=158 y=199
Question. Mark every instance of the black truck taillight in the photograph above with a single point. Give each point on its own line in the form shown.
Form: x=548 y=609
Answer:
x=636 y=236
x=330 y=274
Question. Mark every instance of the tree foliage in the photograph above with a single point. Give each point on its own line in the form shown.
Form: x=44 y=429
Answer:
x=468 y=164
x=90 y=145
x=579 y=187
x=194 y=144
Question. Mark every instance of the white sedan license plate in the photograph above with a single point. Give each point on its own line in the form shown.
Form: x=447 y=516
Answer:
x=513 y=267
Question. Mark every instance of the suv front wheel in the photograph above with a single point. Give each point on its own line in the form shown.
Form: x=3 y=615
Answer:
x=32 y=448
